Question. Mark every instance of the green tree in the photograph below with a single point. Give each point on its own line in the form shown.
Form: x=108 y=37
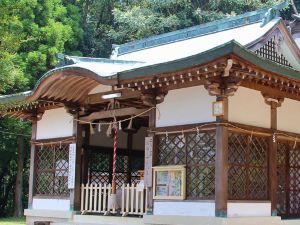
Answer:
x=51 y=26
x=12 y=78
x=31 y=33
x=118 y=21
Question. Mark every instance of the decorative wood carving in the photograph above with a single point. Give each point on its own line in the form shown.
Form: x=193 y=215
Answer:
x=153 y=97
x=273 y=101
x=221 y=89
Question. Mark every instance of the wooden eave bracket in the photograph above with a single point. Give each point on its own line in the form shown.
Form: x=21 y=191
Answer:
x=272 y=100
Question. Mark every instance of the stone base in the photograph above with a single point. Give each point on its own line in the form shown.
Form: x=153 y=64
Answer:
x=196 y=220
x=34 y=215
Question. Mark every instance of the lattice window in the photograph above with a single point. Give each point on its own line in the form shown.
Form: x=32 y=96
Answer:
x=171 y=150
x=137 y=164
x=294 y=180
x=268 y=51
x=282 y=150
x=248 y=167
x=201 y=151
x=197 y=151
x=288 y=172
x=100 y=168
x=52 y=170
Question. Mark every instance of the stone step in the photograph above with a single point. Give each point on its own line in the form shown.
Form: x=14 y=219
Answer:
x=77 y=223
x=101 y=220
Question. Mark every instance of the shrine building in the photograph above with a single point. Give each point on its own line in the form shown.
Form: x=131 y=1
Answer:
x=196 y=126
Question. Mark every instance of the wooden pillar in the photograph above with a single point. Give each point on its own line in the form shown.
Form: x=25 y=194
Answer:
x=150 y=161
x=274 y=103
x=221 y=164
x=75 y=193
x=129 y=152
x=32 y=164
x=85 y=155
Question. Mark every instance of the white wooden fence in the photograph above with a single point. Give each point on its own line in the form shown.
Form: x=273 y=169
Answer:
x=94 y=199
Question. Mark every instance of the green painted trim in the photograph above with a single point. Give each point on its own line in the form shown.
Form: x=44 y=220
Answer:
x=14 y=97
x=149 y=211
x=274 y=212
x=69 y=60
x=231 y=47
x=221 y=214
x=199 y=30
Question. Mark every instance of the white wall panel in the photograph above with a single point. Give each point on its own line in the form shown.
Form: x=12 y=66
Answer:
x=54 y=124
x=247 y=106
x=185 y=106
x=51 y=204
x=288 y=116
x=186 y=208
x=239 y=209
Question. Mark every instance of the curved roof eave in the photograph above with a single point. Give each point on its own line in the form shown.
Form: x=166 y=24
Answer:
x=231 y=47
x=56 y=74
x=106 y=80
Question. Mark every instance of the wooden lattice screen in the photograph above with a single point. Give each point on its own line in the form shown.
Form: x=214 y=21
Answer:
x=52 y=164
x=248 y=167
x=197 y=151
x=100 y=167
x=268 y=51
x=288 y=170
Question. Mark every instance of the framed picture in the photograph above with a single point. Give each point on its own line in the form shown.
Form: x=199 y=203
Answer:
x=169 y=182
x=218 y=108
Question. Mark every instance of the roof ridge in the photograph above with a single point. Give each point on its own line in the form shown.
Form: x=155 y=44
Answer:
x=196 y=31
x=65 y=60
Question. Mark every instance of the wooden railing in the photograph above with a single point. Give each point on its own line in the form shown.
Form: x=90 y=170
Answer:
x=134 y=200
x=94 y=199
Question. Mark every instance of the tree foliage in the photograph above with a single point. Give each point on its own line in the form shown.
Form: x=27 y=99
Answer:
x=32 y=32
x=116 y=21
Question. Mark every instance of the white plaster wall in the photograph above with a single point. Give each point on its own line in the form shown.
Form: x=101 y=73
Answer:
x=247 y=106
x=288 y=116
x=185 y=106
x=51 y=204
x=100 y=139
x=241 y=209
x=54 y=124
x=184 y=208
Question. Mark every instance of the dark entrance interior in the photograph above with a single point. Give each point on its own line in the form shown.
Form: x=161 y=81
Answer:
x=98 y=153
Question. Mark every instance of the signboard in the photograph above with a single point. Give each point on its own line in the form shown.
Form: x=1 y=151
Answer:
x=148 y=161
x=72 y=165
x=169 y=182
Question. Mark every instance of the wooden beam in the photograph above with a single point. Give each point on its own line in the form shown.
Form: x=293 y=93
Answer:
x=270 y=90
x=32 y=165
x=109 y=114
x=126 y=94
x=221 y=163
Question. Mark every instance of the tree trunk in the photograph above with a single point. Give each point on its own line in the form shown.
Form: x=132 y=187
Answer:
x=18 y=210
